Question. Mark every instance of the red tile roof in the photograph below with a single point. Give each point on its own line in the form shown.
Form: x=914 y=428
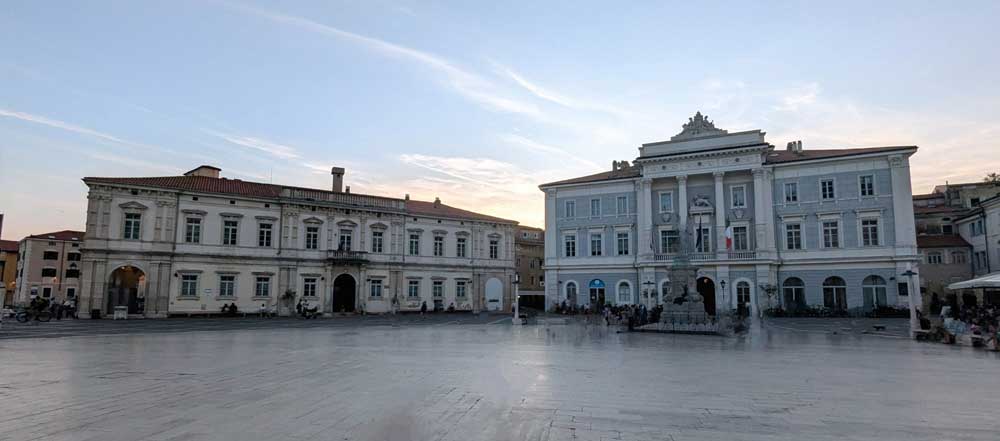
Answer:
x=9 y=246
x=938 y=209
x=236 y=187
x=785 y=156
x=60 y=235
x=630 y=172
x=928 y=196
x=942 y=241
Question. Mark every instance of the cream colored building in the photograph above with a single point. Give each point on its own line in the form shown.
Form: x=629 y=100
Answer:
x=8 y=271
x=48 y=265
x=193 y=243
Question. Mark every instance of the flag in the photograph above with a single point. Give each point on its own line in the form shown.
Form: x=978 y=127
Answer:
x=729 y=237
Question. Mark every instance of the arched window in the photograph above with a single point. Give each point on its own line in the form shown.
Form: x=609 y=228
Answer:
x=665 y=294
x=571 y=293
x=835 y=293
x=742 y=294
x=624 y=292
x=873 y=288
x=794 y=293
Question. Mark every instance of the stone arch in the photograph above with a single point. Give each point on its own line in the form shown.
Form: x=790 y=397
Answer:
x=494 y=294
x=345 y=293
x=571 y=296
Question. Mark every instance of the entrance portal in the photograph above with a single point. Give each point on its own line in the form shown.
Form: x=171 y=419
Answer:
x=126 y=288
x=494 y=294
x=596 y=294
x=344 y=293
x=706 y=287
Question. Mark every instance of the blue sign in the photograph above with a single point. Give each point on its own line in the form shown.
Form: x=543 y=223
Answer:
x=597 y=283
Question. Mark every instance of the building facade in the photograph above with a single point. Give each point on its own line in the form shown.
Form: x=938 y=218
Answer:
x=49 y=265
x=980 y=227
x=193 y=243
x=529 y=246
x=8 y=271
x=765 y=228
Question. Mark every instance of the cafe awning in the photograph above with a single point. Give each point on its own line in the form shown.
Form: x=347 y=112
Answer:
x=987 y=281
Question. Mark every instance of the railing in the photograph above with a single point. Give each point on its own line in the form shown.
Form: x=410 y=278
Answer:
x=731 y=255
x=357 y=200
x=742 y=255
x=347 y=256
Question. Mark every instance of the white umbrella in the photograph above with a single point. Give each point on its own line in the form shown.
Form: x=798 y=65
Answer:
x=987 y=281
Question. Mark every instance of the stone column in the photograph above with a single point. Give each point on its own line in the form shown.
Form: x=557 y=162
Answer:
x=720 y=214
x=644 y=221
x=682 y=205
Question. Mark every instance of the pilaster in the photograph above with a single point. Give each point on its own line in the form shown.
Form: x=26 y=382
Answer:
x=720 y=213
x=682 y=202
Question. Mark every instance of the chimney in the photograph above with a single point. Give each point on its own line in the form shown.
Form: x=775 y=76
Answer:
x=1 y=225
x=207 y=171
x=347 y=189
x=437 y=202
x=338 y=179
x=614 y=165
x=795 y=147
x=407 y=197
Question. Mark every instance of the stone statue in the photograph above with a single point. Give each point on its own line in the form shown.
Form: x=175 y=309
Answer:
x=701 y=201
x=698 y=125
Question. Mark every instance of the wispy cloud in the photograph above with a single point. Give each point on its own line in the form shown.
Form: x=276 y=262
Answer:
x=54 y=123
x=133 y=163
x=270 y=147
x=559 y=98
x=470 y=85
x=538 y=147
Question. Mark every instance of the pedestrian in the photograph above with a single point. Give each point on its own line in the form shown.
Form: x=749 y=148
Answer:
x=423 y=307
x=298 y=308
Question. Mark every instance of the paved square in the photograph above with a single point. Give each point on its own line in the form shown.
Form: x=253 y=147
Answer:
x=470 y=379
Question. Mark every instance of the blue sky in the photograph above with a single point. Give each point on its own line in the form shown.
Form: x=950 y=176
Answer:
x=474 y=102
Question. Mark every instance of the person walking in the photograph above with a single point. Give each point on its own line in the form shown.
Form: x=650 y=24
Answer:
x=423 y=307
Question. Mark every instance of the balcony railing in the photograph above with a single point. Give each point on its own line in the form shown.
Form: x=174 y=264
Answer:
x=349 y=257
x=695 y=257
x=742 y=255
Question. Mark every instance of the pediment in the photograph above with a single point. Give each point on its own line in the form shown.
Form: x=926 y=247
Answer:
x=132 y=205
x=312 y=220
x=347 y=223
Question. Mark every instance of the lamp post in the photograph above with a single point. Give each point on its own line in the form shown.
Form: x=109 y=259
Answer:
x=517 y=300
x=914 y=298
x=725 y=295
x=648 y=284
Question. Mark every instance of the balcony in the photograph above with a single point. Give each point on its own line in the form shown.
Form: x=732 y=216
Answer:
x=692 y=256
x=742 y=255
x=347 y=257
x=699 y=257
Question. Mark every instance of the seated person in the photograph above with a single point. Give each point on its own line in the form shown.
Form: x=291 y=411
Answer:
x=225 y=308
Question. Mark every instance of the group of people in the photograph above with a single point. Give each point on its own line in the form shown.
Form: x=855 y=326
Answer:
x=58 y=310
x=632 y=315
x=304 y=310
x=230 y=310
x=982 y=323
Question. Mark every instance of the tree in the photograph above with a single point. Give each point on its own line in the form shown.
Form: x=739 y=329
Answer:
x=992 y=178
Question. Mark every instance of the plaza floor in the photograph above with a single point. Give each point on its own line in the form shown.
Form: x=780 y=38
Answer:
x=479 y=378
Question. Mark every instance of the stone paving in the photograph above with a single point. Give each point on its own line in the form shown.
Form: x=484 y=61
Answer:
x=442 y=379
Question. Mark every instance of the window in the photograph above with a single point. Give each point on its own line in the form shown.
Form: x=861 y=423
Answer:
x=621 y=241
x=262 y=287
x=595 y=207
x=793 y=236
x=437 y=289
x=976 y=227
x=376 y=241
x=494 y=249
x=413 y=289
x=229 y=232
x=345 y=239
x=414 y=244
x=794 y=293
x=227 y=286
x=869 y=232
x=312 y=238
x=570 y=209
x=73 y=257
x=743 y=293
x=460 y=289
x=72 y=273
x=866 y=184
x=621 y=204
x=741 y=239
x=133 y=223
x=595 y=244
x=670 y=241
x=309 y=287
x=192 y=230
x=934 y=258
x=70 y=293
x=738 y=193
x=666 y=202
x=979 y=259
x=189 y=285
x=49 y=272
x=50 y=255
x=791 y=192
x=375 y=288
x=873 y=290
x=831 y=234
x=827 y=190
x=974 y=201
x=47 y=292
x=438 y=246
x=665 y=291
x=835 y=293
x=460 y=247
x=703 y=243
x=958 y=257
x=264 y=235
x=947 y=229
x=570 y=245
x=624 y=292
x=571 y=293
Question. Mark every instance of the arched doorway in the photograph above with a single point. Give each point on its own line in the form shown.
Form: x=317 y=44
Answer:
x=494 y=295
x=873 y=289
x=597 y=294
x=344 y=293
x=706 y=287
x=571 y=293
x=127 y=287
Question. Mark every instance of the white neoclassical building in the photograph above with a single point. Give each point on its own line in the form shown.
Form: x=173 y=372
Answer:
x=790 y=228
x=193 y=243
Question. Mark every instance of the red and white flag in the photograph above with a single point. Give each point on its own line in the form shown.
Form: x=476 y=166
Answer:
x=729 y=238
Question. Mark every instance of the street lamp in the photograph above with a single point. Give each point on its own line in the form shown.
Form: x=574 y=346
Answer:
x=914 y=298
x=725 y=296
x=517 y=300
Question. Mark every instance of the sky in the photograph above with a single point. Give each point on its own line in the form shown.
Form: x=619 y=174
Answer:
x=473 y=102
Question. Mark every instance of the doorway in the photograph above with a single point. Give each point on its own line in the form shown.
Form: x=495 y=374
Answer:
x=706 y=287
x=344 y=293
x=126 y=288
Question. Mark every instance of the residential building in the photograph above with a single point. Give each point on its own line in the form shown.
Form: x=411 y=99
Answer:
x=48 y=265
x=529 y=251
x=946 y=257
x=765 y=228
x=980 y=227
x=193 y=243
x=8 y=271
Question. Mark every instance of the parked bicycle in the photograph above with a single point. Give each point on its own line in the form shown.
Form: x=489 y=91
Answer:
x=26 y=315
